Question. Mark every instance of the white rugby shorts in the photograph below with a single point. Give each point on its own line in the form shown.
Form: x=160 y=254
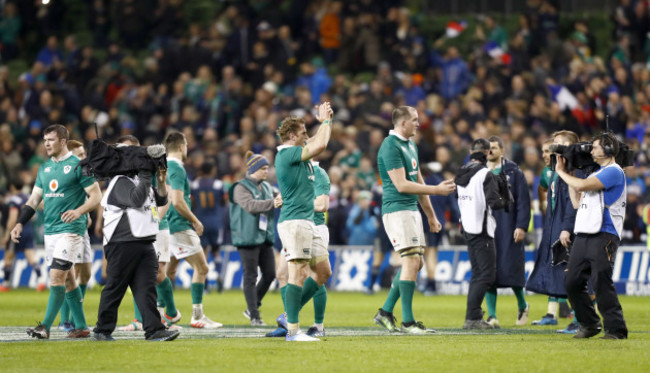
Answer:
x=184 y=244
x=64 y=246
x=301 y=240
x=404 y=229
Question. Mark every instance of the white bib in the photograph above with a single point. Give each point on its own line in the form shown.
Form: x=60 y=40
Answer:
x=591 y=212
x=143 y=221
x=473 y=207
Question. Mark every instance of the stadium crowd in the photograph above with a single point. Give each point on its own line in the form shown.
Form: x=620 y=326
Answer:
x=226 y=85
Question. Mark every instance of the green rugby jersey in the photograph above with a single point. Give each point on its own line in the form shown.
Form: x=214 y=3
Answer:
x=296 y=182
x=322 y=185
x=394 y=153
x=545 y=177
x=177 y=179
x=549 y=179
x=63 y=189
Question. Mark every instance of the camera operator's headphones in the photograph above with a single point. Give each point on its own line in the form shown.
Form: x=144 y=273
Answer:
x=609 y=143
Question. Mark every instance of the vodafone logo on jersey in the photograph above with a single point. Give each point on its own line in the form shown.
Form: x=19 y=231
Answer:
x=54 y=185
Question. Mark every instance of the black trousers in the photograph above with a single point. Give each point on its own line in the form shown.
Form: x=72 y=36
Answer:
x=253 y=257
x=135 y=265
x=483 y=258
x=592 y=256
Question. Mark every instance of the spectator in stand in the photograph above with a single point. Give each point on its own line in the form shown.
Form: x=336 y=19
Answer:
x=493 y=32
x=411 y=92
x=50 y=53
x=330 y=30
x=315 y=78
x=361 y=224
x=10 y=26
x=453 y=73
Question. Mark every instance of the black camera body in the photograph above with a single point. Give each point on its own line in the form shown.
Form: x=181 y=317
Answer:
x=579 y=157
x=106 y=161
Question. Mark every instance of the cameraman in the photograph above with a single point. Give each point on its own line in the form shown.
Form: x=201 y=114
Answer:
x=600 y=201
x=478 y=194
x=130 y=227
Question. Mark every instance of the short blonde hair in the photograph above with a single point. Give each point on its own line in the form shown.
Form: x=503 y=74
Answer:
x=74 y=144
x=288 y=126
x=402 y=113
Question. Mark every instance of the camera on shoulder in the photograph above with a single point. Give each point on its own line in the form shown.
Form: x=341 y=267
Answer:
x=578 y=155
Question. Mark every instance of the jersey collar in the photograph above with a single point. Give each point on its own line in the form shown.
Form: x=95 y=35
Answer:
x=394 y=133
x=66 y=156
x=285 y=147
x=175 y=160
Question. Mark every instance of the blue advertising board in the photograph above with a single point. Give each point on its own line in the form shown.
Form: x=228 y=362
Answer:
x=351 y=270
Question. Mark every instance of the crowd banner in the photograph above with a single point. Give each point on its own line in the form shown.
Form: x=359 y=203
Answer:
x=351 y=269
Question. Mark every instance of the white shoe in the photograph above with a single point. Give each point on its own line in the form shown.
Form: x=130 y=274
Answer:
x=494 y=322
x=522 y=316
x=135 y=325
x=299 y=336
x=172 y=320
x=205 y=323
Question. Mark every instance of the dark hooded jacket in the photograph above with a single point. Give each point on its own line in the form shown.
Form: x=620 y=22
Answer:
x=510 y=255
x=546 y=278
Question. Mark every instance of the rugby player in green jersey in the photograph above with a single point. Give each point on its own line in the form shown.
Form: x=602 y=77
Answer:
x=404 y=187
x=303 y=246
x=63 y=190
x=185 y=228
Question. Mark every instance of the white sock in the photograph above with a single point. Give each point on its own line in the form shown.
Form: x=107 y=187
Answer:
x=197 y=311
x=552 y=308
x=320 y=327
x=293 y=328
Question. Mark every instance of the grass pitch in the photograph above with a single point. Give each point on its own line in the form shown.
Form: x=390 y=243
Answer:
x=353 y=342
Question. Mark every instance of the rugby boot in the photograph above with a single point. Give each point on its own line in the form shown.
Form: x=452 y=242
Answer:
x=314 y=332
x=386 y=319
x=299 y=336
x=522 y=316
x=494 y=322
x=416 y=327
x=39 y=332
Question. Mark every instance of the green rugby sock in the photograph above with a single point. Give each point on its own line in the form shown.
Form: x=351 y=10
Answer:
x=406 y=290
x=283 y=294
x=561 y=300
x=54 y=302
x=167 y=295
x=320 y=301
x=197 y=292
x=77 y=308
x=160 y=302
x=393 y=294
x=83 y=290
x=309 y=288
x=136 y=311
x=521 y=299
x=491 y=302
x=294 y=295
x=65 y=312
